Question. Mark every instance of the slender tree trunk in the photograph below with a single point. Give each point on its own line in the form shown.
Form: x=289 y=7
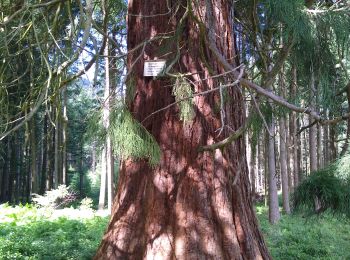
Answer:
x=266 y=171
x=326 y=144
x=5 y=171
x=305 y=152
x=64 y=137
x=44 y=155
x=260 y=155
x=332 y=143
x=252 y=170
x=274 y=214
x=19 y=162
x=108 y=97
x=298 y=156
x=13 y=167
x=313 y=129
x=33 y=157
x=319 y=147
x=58 y=145
x=93 y=158
x=50 y=152
x=346 y=144
x=289 y=155
x=193 y=205
x=283 y=163
x=101 y=200
x=81 y=171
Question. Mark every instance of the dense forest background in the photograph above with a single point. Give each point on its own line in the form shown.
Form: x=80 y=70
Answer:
x=67 y=83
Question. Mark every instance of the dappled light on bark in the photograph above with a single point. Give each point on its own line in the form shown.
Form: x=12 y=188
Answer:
x=193 y=205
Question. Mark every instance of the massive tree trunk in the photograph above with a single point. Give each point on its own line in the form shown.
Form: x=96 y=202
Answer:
x=193 y=205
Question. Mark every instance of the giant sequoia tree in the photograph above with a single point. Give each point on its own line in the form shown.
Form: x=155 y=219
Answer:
x=195 y=204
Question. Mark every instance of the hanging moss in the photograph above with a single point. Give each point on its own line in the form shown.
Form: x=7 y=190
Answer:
x=182 y=91
x=129 y=138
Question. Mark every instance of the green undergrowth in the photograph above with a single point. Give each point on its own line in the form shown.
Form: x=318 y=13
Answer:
x=27 y=232
x=299 y=237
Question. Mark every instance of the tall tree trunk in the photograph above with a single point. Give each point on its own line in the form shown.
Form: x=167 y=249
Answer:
x=313 y=129
x=93 y=158
x=298 y=156
x=193 y=205
x=5 y=172
x=252 y=170
x=260 y=155
x=319 y=147
x=108 y=97
x=19 y=162
x=13 y=166
x=102 y=197
x=288 y=154
x=266 y=171
x=50 y=152
x=305 y=152
x=274 y=214
x=81 y=171
x=33 y=157
x=57 y=157
x=44 y=155
x=346 y=144
x=64 y=138
x=332 y=143
x=326 y=155
x=283 y=163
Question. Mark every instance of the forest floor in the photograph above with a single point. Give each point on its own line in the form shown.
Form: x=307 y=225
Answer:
x=304 y=238
x=27 y=232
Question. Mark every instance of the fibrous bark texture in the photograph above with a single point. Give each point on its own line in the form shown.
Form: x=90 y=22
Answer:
x=193 y=205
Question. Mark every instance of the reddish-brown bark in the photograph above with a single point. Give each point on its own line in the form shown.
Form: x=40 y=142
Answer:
x=193 y=205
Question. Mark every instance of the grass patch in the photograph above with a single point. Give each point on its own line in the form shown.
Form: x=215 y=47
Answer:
x=297 y=237
x=27 y=232
x=30 y=233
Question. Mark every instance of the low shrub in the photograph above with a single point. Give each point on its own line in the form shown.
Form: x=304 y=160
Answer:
x=61 y=197
x=322 y=191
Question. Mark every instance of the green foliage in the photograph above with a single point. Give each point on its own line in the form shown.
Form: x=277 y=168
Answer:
x=257 y=124
x=86 y=204
x=342 y=167
x=130 y=139
x=290 y=15
x=45 y=238
x=183 y=94
x=57 y=198
x=323 y=190
x=74 y=183
x=321 y=238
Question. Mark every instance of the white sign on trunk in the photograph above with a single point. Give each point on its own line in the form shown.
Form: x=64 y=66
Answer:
x=153 y=68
